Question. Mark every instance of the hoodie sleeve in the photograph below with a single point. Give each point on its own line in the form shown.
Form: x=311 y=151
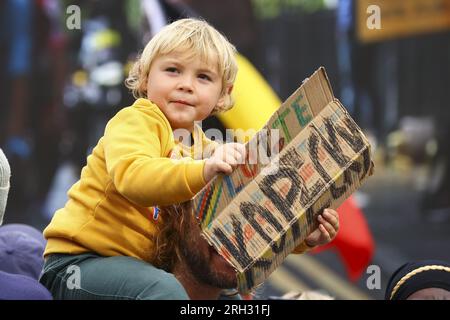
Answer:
x=137 y=144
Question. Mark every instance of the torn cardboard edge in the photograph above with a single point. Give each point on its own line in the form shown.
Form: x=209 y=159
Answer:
x=255 y=224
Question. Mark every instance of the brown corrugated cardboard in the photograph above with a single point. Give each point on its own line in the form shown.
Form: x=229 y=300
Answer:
x=256 y=216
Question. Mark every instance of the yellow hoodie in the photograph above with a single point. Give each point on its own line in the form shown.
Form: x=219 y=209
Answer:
x=133 y=168
x=110 y=209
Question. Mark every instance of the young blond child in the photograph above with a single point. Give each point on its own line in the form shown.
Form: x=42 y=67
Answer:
x=101 y=245
x=107 y=229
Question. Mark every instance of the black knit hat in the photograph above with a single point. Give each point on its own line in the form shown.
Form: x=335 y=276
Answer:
x=415 y=276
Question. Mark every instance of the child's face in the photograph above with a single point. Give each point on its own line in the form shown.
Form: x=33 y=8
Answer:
x=186 y=90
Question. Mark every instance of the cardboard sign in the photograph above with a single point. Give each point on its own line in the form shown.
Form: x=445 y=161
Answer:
x=256 y=216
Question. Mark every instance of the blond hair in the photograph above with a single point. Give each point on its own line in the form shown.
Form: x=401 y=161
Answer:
x=199 y=39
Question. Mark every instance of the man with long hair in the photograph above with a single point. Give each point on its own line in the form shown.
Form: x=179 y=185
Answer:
x=204 y=274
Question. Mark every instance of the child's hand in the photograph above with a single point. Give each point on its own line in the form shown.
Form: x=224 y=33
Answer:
x=327 y=230
x=224 y=160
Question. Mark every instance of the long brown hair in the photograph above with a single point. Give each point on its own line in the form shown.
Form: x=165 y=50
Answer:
x=174 y=224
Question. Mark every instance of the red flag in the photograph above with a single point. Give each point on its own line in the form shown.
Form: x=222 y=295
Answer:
x=354 y=241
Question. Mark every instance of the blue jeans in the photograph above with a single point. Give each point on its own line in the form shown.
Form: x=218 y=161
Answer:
x=93 y=277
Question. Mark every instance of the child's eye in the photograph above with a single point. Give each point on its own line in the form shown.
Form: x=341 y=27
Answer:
x=204 y=77
x=171 y=69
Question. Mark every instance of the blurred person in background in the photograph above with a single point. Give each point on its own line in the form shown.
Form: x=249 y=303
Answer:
x=5 y=174
x=16 y=45
x=33 y=44
x=357 y=67
x=420 y=280
x=21 y=249
x=435 y=202
x=16 y=59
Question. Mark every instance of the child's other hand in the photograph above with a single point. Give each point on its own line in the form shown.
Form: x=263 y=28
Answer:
x=327 y=230
x=224 y=160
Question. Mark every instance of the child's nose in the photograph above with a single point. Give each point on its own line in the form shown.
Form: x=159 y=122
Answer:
x=186 y=84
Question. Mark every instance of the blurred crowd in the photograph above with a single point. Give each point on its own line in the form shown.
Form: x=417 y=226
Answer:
x=61 y=85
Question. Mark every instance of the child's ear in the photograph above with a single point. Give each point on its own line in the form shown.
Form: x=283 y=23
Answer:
x=229 y=89
x=143 y=85
x=225 y=95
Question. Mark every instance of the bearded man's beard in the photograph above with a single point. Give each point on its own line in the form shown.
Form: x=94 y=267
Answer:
x=202 y=271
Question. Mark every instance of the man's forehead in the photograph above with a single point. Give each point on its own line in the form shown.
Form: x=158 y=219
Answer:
x=430 y=294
